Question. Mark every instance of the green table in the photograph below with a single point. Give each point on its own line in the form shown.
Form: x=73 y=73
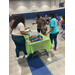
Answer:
x=39 y=45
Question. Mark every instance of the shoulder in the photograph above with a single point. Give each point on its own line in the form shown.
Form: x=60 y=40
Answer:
x=52 y=20
x=20 y=23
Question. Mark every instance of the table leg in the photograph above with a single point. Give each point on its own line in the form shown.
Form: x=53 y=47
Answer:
x=39 y=53
x=46 y=51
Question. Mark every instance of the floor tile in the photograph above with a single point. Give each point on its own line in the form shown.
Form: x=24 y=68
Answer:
x=57 y=72
x=25 y=71
x=62 y=69
x=59 y=55
x=58 y=64
x=29 y=74
x=16 y=68
x=52 y=67
x=62 y=60
x=11 y=70
x=17 y=73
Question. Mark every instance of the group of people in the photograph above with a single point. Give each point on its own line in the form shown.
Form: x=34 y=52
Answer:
x=18 y=30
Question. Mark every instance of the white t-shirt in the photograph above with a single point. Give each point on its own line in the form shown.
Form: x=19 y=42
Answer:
x=20 y=27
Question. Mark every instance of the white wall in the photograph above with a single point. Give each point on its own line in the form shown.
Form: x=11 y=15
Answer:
x=16 y=7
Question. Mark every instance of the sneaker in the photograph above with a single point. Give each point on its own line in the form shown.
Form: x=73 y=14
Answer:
x=25 y=56
x=54 y=49
x=17 y=58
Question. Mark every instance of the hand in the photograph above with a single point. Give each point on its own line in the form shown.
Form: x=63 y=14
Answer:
x=10 y=31
x=27 y=28
x=46 y=34
x=32 y=23
x=43 y=30
x=29 y=34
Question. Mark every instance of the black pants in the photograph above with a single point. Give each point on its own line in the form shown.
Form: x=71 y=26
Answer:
x=39 y=30
x=54 y=37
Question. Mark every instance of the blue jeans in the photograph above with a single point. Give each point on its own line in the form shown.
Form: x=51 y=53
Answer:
x=19 y=42
x=54 y=37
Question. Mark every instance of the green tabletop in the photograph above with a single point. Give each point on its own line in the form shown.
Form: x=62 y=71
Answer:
x=35 y=46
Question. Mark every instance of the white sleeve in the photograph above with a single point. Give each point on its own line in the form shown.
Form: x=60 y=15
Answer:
x=21 y=27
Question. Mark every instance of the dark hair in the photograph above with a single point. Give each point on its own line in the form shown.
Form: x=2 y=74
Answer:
x=14 y=17
x=51 y=14
x=37 y=15
x=63 y=17
x=55 y=16
x=19 y=19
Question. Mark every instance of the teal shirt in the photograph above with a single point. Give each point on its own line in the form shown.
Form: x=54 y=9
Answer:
x=53 y=23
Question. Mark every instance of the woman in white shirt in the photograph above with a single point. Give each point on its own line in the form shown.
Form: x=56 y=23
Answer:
x=17 y=34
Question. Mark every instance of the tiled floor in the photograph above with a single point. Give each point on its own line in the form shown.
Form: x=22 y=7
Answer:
x=56 y=66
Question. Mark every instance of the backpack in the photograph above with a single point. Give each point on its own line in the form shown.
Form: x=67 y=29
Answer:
x=57 y=23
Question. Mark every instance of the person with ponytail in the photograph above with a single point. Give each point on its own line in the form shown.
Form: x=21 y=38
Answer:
x=18 y=28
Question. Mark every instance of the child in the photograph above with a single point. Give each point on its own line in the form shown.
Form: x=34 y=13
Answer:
x=43 y=28
x=63 y=27
x=38 y=22
x=61 y=18
x=42 y=18
x=47 y=19
x=57 y=23
x=63 y=21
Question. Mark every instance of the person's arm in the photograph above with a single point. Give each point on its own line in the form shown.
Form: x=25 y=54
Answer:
x=27 y=28
x=24 y=33
x=34 y=23
x=11 y=23
x=50 y=30
x=52 y=27
x=22 y=29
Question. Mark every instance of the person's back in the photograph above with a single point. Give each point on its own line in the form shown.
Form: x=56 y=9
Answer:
x=53 y=23
x=16 y=31
x=12 y=21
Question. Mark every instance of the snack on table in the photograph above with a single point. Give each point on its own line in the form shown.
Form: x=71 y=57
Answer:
x=40 y=38
x=30 y=36
x=34 y=38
